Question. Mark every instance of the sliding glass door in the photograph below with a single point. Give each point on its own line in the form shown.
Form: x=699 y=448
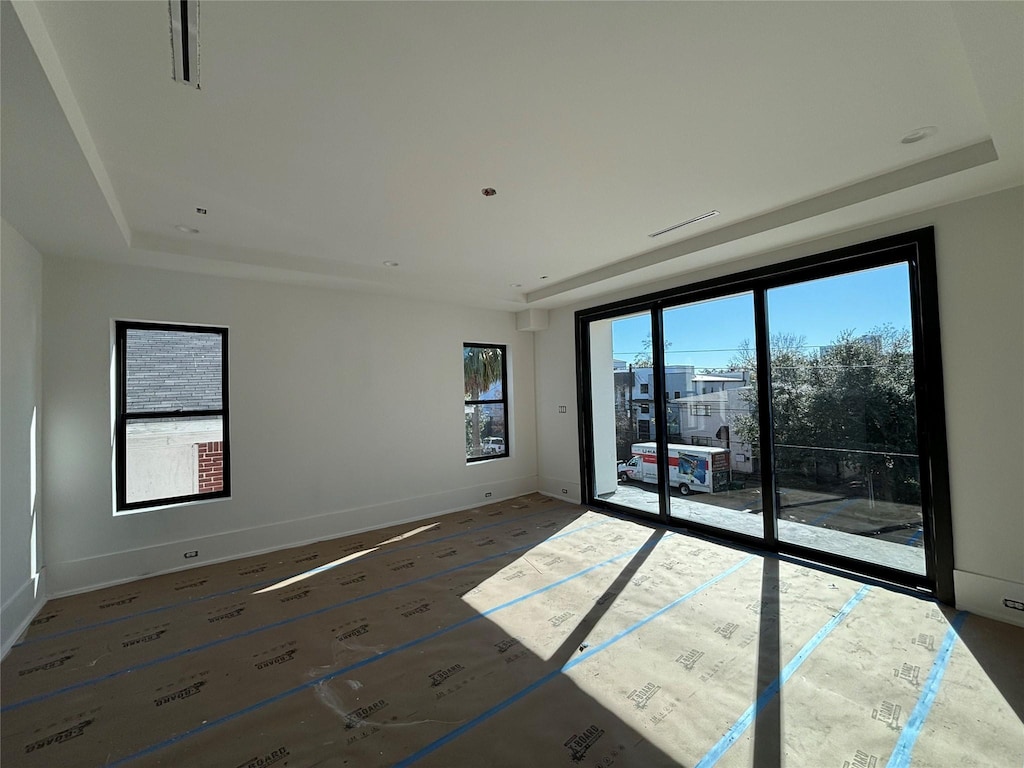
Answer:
x=847 y=467
x=797 y=407
x=711 y=417
x=620 y=412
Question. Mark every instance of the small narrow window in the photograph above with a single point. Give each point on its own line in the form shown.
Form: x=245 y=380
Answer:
x=644 y=389
x=485 y=374
x=172 y=414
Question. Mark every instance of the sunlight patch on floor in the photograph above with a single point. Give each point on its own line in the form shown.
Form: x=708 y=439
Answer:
x=314 y=571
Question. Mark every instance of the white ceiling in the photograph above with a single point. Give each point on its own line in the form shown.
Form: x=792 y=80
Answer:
x=329 y=137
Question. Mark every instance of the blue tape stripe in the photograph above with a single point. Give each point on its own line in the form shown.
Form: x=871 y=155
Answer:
x=139 y=614
x=435 y=745
x=376 y=657
x=913 y=539
x=256 y=585
x=900 y=757
x=266 y=627
x=772 y=690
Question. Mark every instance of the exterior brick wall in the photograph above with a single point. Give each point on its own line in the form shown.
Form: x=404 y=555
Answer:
x=211 y=467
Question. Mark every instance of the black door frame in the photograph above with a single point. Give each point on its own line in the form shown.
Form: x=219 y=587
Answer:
x=917 y=250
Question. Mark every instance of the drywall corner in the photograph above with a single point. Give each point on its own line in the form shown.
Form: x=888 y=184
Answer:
x=21 y=563
x=18 y=613
x=565 y=490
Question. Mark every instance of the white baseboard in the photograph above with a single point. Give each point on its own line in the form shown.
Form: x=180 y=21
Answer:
x=75 y=576
x=19 y=611
x=984 y=596
x=560 y=489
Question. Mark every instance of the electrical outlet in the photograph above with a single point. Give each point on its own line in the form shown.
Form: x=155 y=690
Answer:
x=565 y=490
x=487 y=495
x=1017 y=605
x=561 y=409
x=193 y=553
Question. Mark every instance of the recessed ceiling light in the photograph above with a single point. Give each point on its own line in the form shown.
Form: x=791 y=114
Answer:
x=918 y=134
x=390 y=263
x=694 y=220
x=186 y=230
x=515 y=285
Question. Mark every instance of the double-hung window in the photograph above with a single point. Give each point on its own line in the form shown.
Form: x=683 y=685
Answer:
x=485 y=372
x=171 y=414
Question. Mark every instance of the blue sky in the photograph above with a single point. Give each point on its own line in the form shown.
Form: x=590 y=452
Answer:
x=705 y=335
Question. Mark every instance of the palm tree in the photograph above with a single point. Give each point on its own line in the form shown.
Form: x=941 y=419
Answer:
x=482 y=368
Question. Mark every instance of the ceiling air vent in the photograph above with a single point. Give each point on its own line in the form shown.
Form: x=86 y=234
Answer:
x=694 y=220
x=184 y=18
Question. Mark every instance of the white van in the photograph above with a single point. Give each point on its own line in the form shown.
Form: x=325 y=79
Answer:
x=493 y=445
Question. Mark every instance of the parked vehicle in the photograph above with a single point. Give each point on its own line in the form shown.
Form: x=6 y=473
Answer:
x=493 y=445
x=690 y=467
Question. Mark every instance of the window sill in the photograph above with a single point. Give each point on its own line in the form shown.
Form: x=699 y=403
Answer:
x=171 y=505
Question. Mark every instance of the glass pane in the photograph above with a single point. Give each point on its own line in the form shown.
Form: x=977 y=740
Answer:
x=482 y=369
x=173 y=370
x=843 y=404
x=711 y=414
x=167 y=458
x=485 y=431
x=620 y=365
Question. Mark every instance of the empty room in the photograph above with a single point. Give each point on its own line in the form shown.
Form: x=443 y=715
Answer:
x=730 y=294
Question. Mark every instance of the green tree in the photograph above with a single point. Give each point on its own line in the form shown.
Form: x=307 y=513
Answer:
x=625 y=434
x=482 y=369
x=788 y=364
x=861 y=406
x=846 y=408
x=645 y=357
x=625 y=430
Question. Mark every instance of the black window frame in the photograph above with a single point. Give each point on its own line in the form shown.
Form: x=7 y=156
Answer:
x=503 y=400
x=916 y=249
x=123 y=416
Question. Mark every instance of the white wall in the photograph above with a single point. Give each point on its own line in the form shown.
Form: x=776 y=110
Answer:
x=602 y=415
x=21 y=589
x=346 y=414
x=980 y=254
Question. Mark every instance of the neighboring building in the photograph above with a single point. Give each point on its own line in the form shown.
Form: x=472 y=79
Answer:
x=710 y=418
x=706 y=383
x=701 y=407
x=634 y=392
x=173 y=370
x=166 y=458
